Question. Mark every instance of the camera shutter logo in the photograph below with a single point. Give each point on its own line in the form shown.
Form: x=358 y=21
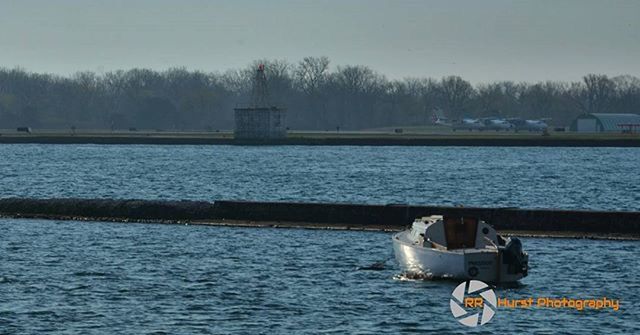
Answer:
x=469 y=318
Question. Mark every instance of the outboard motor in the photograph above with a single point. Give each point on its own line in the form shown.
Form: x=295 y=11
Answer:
x=515 y=258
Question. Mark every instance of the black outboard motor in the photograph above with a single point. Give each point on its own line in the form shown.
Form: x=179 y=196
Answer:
x=516 y=259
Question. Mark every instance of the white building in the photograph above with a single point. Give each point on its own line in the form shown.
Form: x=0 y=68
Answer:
x=606 y=122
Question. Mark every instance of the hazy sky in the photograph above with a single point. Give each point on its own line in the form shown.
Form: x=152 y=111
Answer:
x=479 y=40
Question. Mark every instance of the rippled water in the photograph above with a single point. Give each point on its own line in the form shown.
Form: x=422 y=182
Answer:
x=586 y=178
x=71 y=277
x=75 y=277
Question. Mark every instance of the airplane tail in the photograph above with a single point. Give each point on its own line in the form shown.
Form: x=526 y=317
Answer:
x=437 y=117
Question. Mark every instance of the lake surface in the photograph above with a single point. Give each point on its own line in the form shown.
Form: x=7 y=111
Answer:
x=572 y=178
x=72 y=277
x=102 y=278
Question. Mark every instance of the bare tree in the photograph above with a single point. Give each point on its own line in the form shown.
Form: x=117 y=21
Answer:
x=311 y=73
x=455 y=93
x=594 y=94
x=354 y=97
x=360 y=89
x=627 y=99
x=541 y=100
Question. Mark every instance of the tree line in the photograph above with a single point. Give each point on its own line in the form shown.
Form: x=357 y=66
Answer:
x=316 y=95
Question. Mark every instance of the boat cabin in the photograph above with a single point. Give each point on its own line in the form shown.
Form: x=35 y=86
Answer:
x=454 y=232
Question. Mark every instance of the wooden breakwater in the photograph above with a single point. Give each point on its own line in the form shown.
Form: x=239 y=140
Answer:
x=394 y=216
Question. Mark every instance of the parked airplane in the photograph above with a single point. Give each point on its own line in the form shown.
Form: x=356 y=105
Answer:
x=490 y=123
x=497 y=124
x=530 y=125
x=469 y=124
x=438 y=118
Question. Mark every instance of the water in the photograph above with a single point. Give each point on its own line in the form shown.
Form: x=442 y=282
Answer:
x=572 y=178
x=73 y=277
x=102 y=278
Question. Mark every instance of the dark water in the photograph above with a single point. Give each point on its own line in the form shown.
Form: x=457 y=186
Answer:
x=71 y=277
x=104 y=278
x=587 y=178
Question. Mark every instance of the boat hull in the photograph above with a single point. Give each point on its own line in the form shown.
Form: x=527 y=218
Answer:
x=462 y=264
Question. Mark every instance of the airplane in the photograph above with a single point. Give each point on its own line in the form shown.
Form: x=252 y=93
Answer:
x=439 y=119
x=497 y=124
x=469 y=124
x=466 y=123
x=490 y=123
x=530 y=125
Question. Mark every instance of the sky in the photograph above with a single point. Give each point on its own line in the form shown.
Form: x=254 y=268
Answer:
x=481 y=41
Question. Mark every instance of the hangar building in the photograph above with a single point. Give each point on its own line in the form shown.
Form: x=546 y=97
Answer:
x=606 y=122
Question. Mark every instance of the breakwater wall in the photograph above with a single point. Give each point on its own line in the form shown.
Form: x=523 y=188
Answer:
x=497 y=141
x=347 y=215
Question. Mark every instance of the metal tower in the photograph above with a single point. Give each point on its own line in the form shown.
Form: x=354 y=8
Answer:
x=260 y=91
x=260 y=120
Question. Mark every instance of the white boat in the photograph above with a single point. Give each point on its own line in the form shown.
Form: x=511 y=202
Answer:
x=460 y=248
